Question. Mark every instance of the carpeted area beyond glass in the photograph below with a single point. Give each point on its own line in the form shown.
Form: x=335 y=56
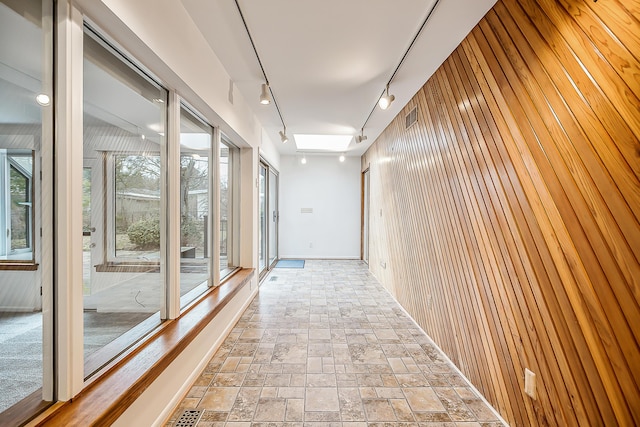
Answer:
x=21 y=347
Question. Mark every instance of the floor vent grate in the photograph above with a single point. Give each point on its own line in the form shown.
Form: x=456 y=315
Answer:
x=273 y=278
x=188 y=418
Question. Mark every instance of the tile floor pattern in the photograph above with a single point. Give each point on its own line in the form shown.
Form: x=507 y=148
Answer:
x=328 y=346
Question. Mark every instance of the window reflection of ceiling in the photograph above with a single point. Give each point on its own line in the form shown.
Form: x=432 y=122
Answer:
x=20 y=63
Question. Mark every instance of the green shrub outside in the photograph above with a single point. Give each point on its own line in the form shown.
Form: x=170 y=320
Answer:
x=145 y=233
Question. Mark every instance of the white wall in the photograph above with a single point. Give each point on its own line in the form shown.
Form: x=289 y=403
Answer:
x=269 y=151
x=332 y=190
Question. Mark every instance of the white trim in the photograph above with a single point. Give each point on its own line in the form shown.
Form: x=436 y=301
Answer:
x=68 y=203
x=214 y=208
x=172 y=210
x=328 y=257
x=181 y=393
x=449 y=362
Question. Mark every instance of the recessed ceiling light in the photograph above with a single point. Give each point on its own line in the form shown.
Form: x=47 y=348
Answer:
x=322 y=142
x=43 y=99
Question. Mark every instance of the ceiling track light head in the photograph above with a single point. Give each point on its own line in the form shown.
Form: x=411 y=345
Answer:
x=283 y=136
x=386 y=99
x=361 y=137
x=265 y=99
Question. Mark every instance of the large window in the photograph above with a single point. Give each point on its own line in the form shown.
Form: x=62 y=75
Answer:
x=125 y=180
x=129 y=223
x=229 y=199
x=26 y=140
x=16 y=196
x=196 y=142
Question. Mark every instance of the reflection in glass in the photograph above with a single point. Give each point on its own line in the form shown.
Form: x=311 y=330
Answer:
x=225 y=208
x=195 y=157
x=124 y=142
x=262 y=212
x=273 y=217
x=25 y=74
x=137 y=205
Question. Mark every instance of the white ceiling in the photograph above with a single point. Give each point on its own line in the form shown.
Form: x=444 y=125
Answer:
x=328 y=61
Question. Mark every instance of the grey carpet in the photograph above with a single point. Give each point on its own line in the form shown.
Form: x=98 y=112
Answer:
x=21 y=353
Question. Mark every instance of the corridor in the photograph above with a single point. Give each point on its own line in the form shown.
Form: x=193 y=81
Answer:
x=326 y=345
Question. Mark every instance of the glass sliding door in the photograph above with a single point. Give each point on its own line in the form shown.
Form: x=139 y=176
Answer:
x=262 y=215
x=124 y=141
x=273 y=217
x=26 y=164
x=268 y=217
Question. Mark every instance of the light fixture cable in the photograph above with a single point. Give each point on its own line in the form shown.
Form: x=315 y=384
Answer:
x=415 y=38
x=264 y=73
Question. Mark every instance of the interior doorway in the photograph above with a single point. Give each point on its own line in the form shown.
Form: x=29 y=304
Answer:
x=365 y=215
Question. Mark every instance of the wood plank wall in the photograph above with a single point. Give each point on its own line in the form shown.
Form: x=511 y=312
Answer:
x=508 y=216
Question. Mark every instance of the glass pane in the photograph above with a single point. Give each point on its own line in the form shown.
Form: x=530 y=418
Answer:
x=195 y=157
x=124 y=141
x=137 y=205
x=225 y=207
x=262 y=234
x=273 y=216
x=86 y=230
x=20 y=177
x=25 y=123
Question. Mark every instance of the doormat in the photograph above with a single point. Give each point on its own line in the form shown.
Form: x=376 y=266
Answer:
x=290 y=263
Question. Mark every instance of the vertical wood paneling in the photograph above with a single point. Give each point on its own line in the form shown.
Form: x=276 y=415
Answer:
x=506 y=221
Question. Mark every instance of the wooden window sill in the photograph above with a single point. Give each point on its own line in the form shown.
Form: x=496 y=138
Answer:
x=118 y=386
x=18 y=266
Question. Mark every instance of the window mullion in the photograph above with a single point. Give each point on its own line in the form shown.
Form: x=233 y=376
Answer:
x=172 y=208
x=214 y=222
x=68 y=209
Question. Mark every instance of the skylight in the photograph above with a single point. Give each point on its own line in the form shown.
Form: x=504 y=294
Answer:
x=337 y=143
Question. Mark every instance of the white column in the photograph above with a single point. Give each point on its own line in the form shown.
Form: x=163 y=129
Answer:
x=68 y=201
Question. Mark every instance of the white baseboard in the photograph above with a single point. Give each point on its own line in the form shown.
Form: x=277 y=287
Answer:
x=181 y=393
x=453 y=366
x=156 y=404
x=328 y=257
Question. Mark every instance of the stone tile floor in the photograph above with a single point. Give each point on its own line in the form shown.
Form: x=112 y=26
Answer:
x=326 y=345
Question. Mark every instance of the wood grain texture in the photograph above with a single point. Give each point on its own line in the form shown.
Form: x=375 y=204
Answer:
x=508 y=216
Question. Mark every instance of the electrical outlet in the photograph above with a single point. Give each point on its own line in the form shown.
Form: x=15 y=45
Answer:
x=530 y=383
x=310 y=244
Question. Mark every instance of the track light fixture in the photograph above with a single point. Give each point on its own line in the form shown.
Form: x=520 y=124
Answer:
x=341 y=158
x=264 y=95
x=304 y=160
x=361 y=137
x=386 y=99
x=283 y=135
